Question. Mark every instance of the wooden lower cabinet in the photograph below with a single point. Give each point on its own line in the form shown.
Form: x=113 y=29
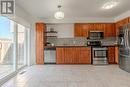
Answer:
x=85 y=56
x=113 y=55
x=116 y=55
x=73 y=55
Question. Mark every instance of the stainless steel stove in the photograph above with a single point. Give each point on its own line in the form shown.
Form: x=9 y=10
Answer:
x=100 y=55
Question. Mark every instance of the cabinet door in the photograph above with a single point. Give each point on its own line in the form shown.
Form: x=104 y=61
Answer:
x=116 y=55
x=124 y=21
x=120 y=24
x=69 y=55
x=110 y=30
x=60 y=55
x=40 y=27
x=77 y=55
x=85 y=30
x=85 y=56
x=111 y=55
x=78 y=30
x=129 y=19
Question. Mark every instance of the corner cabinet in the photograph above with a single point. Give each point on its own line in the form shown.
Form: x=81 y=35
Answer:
x=73 y=55
x=40 y=28
x=121 y=23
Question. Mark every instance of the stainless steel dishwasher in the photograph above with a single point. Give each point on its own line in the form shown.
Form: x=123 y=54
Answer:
x=50 y=55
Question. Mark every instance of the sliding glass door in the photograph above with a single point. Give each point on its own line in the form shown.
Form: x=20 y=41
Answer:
x=13 y=46
x=6 y=47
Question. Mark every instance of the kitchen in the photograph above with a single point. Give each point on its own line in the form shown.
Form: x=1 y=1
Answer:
x=83 y=43
x=80 y=43
x=68 y=43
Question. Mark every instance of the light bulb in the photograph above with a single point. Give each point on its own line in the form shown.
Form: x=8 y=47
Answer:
x=59 y=15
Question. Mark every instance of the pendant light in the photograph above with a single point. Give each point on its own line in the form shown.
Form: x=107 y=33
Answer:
x=59 y=14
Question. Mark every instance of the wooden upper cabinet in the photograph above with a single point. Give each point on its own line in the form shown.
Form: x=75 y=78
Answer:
x=40 y=27
x=110 y=30
x=129 y=19
x=83 y=29
x=124 y=21
x=120 y=24
x=78 y=30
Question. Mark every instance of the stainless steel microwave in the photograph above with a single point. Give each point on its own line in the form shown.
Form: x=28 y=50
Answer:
x=96 y=35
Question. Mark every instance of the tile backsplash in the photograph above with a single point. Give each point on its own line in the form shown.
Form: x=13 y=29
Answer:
x=68 y=41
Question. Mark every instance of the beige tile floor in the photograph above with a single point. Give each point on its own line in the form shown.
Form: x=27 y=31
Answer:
x=71 y=76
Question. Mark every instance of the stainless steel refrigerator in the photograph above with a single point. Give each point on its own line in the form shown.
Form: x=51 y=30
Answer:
x=124 y=48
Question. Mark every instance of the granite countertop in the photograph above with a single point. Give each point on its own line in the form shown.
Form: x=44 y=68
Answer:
x=65 y=46
x=109 y=42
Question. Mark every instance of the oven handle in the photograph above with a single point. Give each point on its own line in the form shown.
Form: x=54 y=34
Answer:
x=100 y=56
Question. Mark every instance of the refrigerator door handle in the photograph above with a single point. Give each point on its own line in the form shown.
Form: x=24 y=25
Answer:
x=125 y=37
x=122 y=41
x=128 y=38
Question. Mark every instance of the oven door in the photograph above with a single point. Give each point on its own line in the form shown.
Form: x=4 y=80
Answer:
x=100 y=53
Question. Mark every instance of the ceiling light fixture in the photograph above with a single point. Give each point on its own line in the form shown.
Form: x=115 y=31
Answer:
x=110 y=4
x=59 y=14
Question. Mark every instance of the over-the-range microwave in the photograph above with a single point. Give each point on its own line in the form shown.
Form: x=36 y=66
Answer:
x=96 y=35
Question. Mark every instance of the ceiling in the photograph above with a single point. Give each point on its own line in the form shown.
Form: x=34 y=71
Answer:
x=73 y=8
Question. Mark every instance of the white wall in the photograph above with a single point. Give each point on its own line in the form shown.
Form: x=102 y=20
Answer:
x=64 y=30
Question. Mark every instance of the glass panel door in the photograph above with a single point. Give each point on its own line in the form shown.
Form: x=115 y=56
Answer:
x=21 y=46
